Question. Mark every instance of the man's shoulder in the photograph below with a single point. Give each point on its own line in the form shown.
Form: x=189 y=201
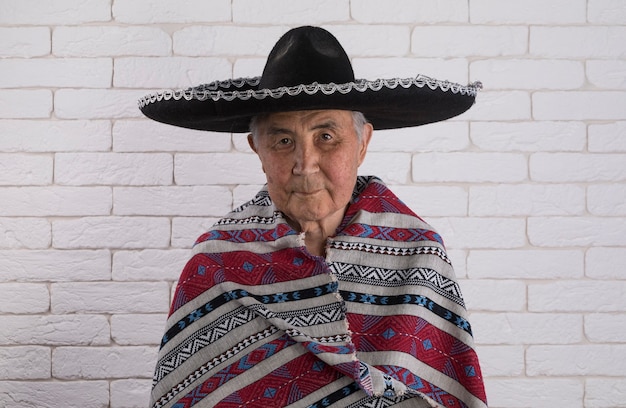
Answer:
x=255 y=226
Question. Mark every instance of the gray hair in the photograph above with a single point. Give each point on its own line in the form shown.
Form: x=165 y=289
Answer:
x=358 y=121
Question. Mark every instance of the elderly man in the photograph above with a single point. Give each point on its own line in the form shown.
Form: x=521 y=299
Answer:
x=324 y=290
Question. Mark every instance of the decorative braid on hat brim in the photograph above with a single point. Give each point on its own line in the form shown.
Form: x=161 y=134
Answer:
x=223 y=90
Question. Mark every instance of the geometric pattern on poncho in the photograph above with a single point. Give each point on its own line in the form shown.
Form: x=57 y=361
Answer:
x=257 y=321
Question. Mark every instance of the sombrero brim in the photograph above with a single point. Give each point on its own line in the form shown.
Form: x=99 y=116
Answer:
x=228 y=106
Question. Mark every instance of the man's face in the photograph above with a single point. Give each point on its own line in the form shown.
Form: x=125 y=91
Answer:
x=310 y=159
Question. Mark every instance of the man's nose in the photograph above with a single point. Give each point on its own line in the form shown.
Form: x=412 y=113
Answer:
x=306 y=160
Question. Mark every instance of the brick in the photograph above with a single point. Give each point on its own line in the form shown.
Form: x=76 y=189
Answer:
x=226 y=40
x=104 y=41
x=460 y=232
x=54 y=135
x=576 y=360
x=577 y=296
x=463 y=40
x=606 y=199
x=499 y=106
x=109 y=297
x=149 y=135
x=510 y=12
x=111 y=232
x=605 y=393
x=469 y=167
x=529 y=136
x=149 y=264
x=526 y=199
x=606 y=12
x=24 y=42
x=53 y=330
x=291 y=12
x=70 y=363
x=24 y=233
x=168 y=72
x=605 y=328
x=383 y=40
x=240 y=143
x=113 y=168
x=54 y=13
x=133 y=329
x=244 y=193
x=24 y=298
x=494 y=295
x=537 y=74
x=605 y=263
x=25 y=103
x=438 y=137
x=527 y=328
x=525 y=264
x=458 y=258
x=609 y=74
x=97 y=103
x=177 y=200
x=248 y=67
x=501 y=361
x=574 y=105
x=53 y=394
x=434 y=201
x=172 y=293
x=576 y=231
x=577 y=167
x=25 y=169
x=171 y=11
x=66 y=72
x=454 y=70
x=130 y=393
x=61 y=201
x=24 y=363
x=556 y=221
x=50 y=265
x=546 y=392
x=394 y=168
x=607 y=137
x=217 y=168
x=409 y=11
x=578 y=42
x=185 y=230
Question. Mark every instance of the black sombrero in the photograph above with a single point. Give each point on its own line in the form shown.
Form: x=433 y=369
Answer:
x=308 y=69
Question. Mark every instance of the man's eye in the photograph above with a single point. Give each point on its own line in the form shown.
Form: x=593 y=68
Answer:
x=284 y=141
x=326 y=136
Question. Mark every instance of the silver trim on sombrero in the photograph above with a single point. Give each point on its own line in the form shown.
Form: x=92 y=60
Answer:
x=212 y=90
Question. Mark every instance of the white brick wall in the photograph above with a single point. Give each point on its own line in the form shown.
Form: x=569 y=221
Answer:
x=99 y=206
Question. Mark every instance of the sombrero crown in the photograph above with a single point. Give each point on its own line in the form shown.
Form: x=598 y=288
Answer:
x=308 y=69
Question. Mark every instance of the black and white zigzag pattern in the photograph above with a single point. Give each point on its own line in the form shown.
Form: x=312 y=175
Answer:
x=339 y=338
x=249 y=220
x=379 y=402
x=390 y=250
x=208 y=366
x=425 y=277
x=200 y=339
x=304 y=317
x=262 y=199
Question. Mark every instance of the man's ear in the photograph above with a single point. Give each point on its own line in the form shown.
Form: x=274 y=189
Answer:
x=366 y=136
x=254 y=149
x=251 y=143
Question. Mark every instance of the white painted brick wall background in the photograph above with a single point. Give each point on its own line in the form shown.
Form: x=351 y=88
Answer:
x=99 y=206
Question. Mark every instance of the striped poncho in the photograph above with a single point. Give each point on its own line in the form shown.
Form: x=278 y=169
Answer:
x=257 y=321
